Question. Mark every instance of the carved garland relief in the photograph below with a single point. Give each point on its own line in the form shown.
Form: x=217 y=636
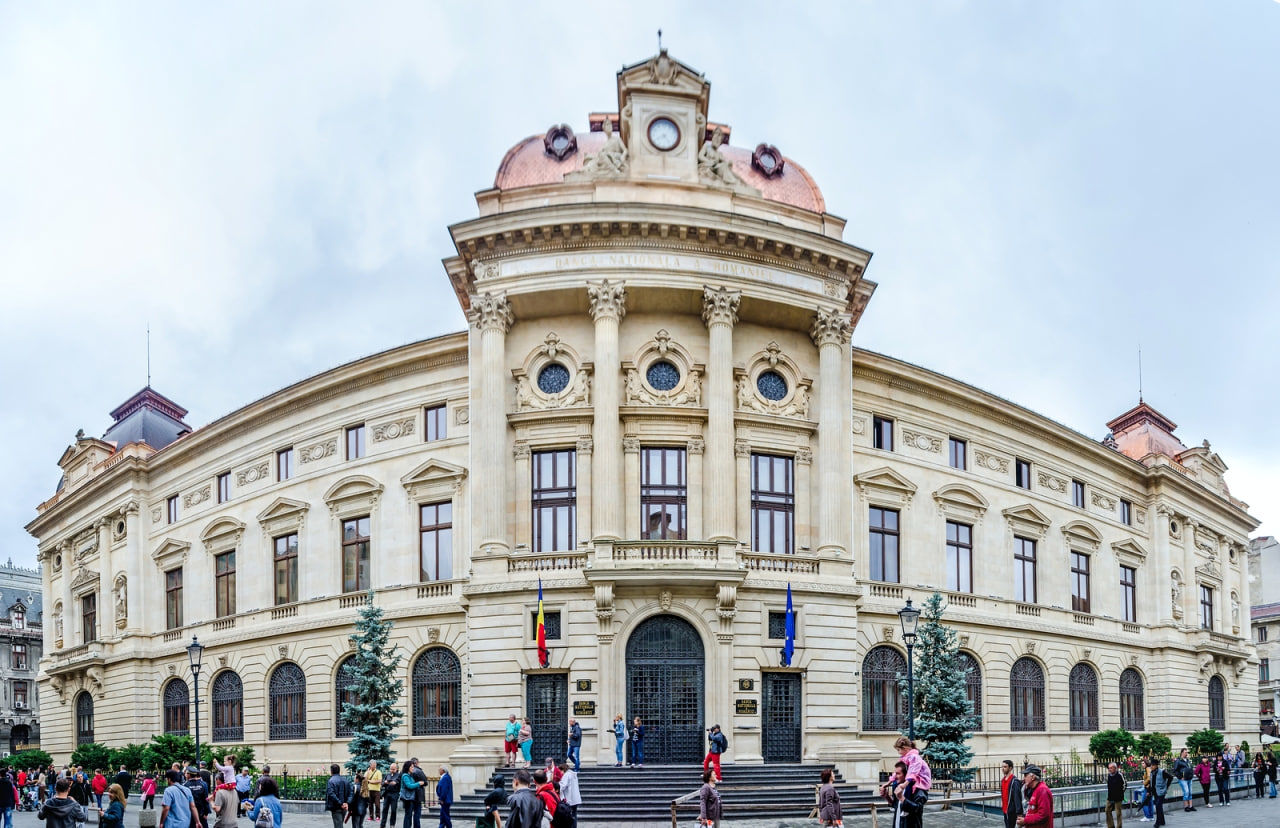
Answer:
x=990 y=461
x=393 y=430
x=922 y=441
x=319 y=451
x=253 y=474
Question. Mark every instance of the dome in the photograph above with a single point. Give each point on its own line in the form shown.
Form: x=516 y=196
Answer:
x=528 y=164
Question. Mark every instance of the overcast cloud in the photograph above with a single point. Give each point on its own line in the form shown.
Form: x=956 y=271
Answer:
x=1044 y=186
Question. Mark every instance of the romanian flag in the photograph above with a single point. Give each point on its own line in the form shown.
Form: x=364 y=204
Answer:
x=544 y=656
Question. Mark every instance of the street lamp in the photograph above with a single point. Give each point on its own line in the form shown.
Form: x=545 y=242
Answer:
x=194 y=651
x=910 y=617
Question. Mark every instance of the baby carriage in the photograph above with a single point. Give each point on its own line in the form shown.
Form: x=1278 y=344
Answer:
x=27 y=801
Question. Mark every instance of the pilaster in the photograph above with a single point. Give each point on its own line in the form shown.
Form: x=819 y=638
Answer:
x=491 y=314
x=830 y=333
x=585 y=450
x=608 y=305
x=720 y=313
x=631 y=485
x=696 y=449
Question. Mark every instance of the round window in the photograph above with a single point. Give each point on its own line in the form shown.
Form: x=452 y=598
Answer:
x=120 y=527
x=768 y=162
x=553 y=378
x=662 y=376
x=771 y=385
x=560 y=143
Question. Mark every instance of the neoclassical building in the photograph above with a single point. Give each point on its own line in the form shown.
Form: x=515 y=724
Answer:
x=656 y=412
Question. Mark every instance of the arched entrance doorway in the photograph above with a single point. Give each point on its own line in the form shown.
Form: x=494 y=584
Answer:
x=665 y=688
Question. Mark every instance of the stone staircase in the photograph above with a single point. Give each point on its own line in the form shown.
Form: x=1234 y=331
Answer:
x=612 y=795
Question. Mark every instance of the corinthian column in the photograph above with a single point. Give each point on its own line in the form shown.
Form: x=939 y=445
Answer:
x=830 y=332
x=491 y=315
x=608 y=306
x=720 y=312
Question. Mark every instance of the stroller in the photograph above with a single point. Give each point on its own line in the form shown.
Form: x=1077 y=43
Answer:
x=27 y=799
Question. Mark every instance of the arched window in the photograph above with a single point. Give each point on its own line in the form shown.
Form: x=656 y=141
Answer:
x=884 y=706
x=228 y=707
x=972 y=683
x=177 y=707
x=1217 y=704
x=1083 y=686
x=1026 y=695
x=344 y=692
x=84 y=719
x=437 y=693
x=1131 y=716
x=288 y=692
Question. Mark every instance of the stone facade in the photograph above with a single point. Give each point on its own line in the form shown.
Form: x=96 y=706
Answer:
x=656 y=416
x=20 y=650
x=1264 y=582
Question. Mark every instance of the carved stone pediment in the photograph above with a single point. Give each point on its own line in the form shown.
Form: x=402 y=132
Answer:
x=1129 y=552
x=283 y=514
x=353 y=493
x=1082 y=536
x=1210 y=570
x=957 y=500
x=1027 y=520
x=171 y=553
x=222 y=535
x=434 y=478
x=886 y=486
x=85 y=579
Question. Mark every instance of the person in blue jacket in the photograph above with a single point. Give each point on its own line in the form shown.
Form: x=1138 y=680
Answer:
x=444 y=795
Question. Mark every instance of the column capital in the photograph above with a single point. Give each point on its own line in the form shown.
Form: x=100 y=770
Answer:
x=608 y=300
x=804 y=456
x=491 y=311
x=720 y=305
x=631 y=445
x=585 y=445
x=830 y=328
x=697 y=445
x=520 y=449
x=742 y=448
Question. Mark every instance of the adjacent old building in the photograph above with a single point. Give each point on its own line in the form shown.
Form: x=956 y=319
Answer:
x=20 y=650
x=657 y=417
x=1264 y=581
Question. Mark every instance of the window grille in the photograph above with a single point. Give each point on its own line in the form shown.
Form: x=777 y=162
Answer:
x=1131 y=701
x=84 y=719
x=1026 y=695
x=884 y=704
x=288 y=693
x=1083 y=686
x=972 y=683
x=228 y=707
x=437 y=693
x=1217 y=704
x=177 y=707
x=344 y=692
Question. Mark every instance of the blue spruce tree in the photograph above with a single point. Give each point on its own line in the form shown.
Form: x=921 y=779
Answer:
x=375 y=713
x=943 y=713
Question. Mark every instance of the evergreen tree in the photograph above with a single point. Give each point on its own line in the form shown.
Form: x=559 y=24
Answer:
x=943 y=713
x=375 y=713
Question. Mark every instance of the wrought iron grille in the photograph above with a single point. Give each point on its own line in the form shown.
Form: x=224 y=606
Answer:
x=972 y=683
x=778 y=625
x=548 y=706
x=1083 y=686
x=550 y=620
x=1131 y=701
x=662 y=376
x=344 y=692
x=771 y=385
x=884 y=706
x=437 y=693
x=288 y=692
x=228 y=707
x=84 y=719
x=780 y=724
x=1217 y=704
x=665 y=685
x=177 y=707
x=1026 y=695
x=553 y=379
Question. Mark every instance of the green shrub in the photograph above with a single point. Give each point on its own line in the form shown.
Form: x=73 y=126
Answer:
x=29 y=760
x=1205 y=742
x=1154 y=744
x=93 y=756
x=213 y=754
x=1106 y=745
x=167 y=748
x=132 y=756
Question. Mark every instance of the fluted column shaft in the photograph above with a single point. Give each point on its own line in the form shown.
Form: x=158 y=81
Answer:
x=830 y=332
x=106 y=602
x=1157 y=586
x=608 y=307
x=720 y=312
x=491 y=314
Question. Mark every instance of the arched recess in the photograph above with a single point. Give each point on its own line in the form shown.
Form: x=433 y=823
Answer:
x=177 y=707
x=884 y=705
x=228 y=707
x=1026 y=695
x=666 y=680
x=972 y=670
x=84 y=718
x=436 y=686
x=287 y=702
x=1082 y=685
x=344 y=692
x=1217 y=703
x=1132 y=702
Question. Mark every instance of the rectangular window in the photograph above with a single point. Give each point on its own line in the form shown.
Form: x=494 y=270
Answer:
x=1126 y=512
x=355 y=442
x=959 y=557
x=884 y=544
x=663 y=494
x=171 y=509
x=882 y=433
x=435 y=544
x=1264 y=669
x=555 y=500
x=1079 y=582
x=19 y=656
x=959 y=453
x=551 y=618
x=1206 y=607
x=286 y=569
x=19 y=694
x=1077 y=494
x=355 y=554
x=778 y=625
x=1024 y=570
x=224 y=487
x=19 y=621
x=1129 y=594
x=89 y=617
x=173 y=599
x=434 y=425
x=1262 y=633
x=773 y=504
x=1022 y=473
x=284 y=464
x=224 y=584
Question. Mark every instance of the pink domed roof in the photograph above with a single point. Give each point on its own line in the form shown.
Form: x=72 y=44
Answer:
x=527 y=164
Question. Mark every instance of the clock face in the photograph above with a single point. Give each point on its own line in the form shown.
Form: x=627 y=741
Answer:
x=663 y=133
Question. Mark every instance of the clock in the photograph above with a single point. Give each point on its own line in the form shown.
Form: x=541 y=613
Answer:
x=663 y=133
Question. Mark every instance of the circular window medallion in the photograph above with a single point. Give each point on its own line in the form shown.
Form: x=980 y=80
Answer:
x=553 y=378
x=767 y=160
x=771 y=385
x=663 y=133
x=662 y=376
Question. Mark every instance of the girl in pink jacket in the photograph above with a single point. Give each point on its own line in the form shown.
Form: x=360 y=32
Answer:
x=917 y=769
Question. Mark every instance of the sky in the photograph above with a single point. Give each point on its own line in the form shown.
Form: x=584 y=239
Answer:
x=1045 y=186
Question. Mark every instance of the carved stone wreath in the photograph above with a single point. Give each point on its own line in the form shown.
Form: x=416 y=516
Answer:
x=575 y=393
x=794 y=403
x=687 y=390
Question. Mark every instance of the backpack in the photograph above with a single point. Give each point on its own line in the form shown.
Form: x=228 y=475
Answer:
x=563 y=817
x=265 y=818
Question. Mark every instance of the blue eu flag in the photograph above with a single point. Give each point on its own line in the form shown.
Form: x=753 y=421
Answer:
x=789 y=648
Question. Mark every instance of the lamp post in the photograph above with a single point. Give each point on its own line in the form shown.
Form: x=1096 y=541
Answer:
x=910 y=617
x=194 y=651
